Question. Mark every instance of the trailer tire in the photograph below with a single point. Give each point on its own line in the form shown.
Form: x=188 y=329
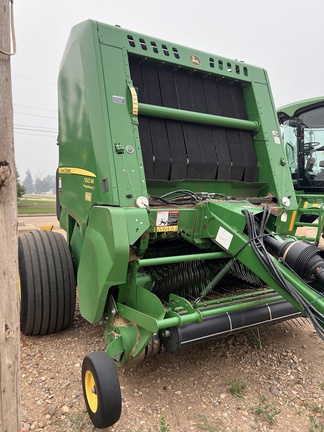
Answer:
x=47 y=283
x=101 y=389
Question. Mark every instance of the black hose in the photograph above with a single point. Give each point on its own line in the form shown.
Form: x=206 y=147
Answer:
x=258 y=247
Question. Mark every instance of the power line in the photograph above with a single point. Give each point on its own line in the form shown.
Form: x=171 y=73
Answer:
x=32 y=134
x=33 y=79
x=35 y=129
x=35 y=115
x=35 y=108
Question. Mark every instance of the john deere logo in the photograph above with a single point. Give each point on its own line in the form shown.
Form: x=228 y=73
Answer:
x=195 y=60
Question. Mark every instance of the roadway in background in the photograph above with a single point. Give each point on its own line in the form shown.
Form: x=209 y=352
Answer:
x=34 y=222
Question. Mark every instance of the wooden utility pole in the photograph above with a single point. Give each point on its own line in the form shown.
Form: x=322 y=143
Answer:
x=10 y=415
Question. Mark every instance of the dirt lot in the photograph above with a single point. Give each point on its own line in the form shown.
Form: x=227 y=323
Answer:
x=267 y=380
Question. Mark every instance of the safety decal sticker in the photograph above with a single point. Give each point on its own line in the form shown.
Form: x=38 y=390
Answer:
x=60 y=185
x=276 y=137
x=134 y=100
x=224 y=238
x=88 y=196
x=167 y=221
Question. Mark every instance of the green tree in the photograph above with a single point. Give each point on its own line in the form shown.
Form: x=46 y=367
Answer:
x=21 y=190
x=28 y=183
x=45 y=184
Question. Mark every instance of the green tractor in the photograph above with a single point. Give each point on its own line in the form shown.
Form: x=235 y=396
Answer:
x=175 y=193
x=302 y=125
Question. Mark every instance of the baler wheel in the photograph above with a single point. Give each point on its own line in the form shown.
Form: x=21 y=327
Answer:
x=101 y=389
x=47 y=283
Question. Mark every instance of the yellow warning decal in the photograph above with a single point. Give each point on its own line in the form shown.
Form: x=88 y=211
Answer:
x=292 y=222
x=167 y=221
x=77 y=171
x=167 y=228
x=134 y=100
x=311 y=204
x=88 y=196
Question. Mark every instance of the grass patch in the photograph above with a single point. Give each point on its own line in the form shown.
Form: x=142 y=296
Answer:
x=37 y=204
x=315 y=426
x=205 y=425
x=164 y=427
x=314 y=407
x=73 y=422
x=266 y=411
x=237 y=387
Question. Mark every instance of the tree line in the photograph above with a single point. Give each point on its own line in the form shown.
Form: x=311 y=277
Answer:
x=39 y=185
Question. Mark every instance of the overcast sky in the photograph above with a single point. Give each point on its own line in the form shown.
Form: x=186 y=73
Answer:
x=285 y=37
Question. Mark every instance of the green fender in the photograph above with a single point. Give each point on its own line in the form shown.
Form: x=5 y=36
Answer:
x=104 y=256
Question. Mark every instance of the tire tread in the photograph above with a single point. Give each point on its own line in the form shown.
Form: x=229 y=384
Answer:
x=48 y=293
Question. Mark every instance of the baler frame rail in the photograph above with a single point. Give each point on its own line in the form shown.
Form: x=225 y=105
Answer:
x=197 y=117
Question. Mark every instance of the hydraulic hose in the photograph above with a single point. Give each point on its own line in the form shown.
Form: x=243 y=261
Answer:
x=312 y=266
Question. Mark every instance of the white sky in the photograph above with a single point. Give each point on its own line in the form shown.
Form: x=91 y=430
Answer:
x=285 y=37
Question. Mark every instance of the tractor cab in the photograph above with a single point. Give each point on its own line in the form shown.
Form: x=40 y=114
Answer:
x=302 y=126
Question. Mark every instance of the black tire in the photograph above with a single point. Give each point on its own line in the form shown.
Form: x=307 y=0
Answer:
x=47 y=283
x=101 y=389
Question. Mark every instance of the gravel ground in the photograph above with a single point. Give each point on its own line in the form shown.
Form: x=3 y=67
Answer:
x=266 y=380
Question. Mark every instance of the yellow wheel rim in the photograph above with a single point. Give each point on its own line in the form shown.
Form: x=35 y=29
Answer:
x=90 y=390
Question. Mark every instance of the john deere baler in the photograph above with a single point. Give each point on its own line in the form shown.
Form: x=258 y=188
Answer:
x=177 y=202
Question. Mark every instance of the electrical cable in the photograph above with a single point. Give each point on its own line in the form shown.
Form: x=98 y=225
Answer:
x=34 y=108
x=184 y=197
x=33 y=79
x=184 y=192
x=35 y=128
x=171 y=201
x=257 y=244
x=35 y=115
x=34 y=134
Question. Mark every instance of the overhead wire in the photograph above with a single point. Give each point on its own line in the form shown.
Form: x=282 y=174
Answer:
x=21 y=126
x=34 y=79
x=35 y=115
x=33 y=134
x=34 y=108
x=35 y=130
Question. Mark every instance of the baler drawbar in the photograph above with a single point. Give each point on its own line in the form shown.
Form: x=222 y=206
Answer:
x=178 y=206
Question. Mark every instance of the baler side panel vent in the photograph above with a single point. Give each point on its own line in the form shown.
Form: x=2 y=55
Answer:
x=213 y=63
x=177 y=150
x=164 y=48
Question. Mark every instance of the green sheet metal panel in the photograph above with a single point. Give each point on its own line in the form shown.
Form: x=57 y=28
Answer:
x=99 y=131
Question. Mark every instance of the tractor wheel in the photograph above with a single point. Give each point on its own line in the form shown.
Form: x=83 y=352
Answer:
x=101 y=389
x=47 y=283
